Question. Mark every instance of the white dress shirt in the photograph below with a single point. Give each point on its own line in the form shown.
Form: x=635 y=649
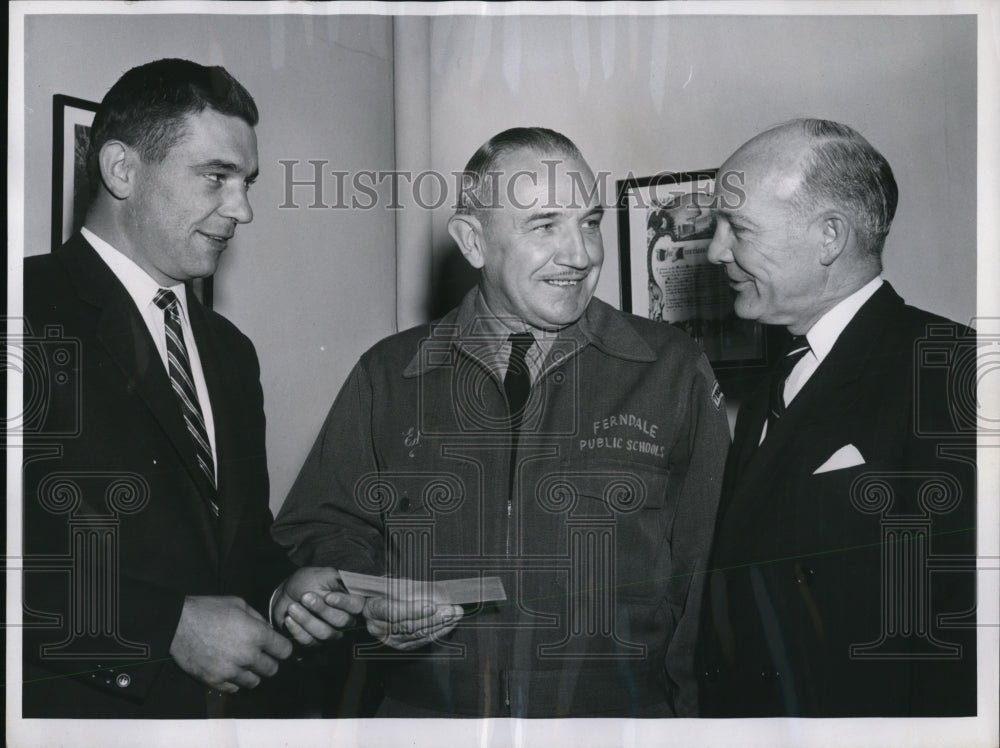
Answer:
x=821 y=338
x=143 y=288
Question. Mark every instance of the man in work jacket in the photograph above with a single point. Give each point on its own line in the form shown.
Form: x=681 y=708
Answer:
x=580 y=464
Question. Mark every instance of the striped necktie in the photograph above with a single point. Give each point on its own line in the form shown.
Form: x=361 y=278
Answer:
x=798 y=346
x=179 y=368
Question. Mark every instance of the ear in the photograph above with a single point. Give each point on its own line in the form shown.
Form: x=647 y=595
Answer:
x=833 y=231
x=467 y=232
x=118 y=164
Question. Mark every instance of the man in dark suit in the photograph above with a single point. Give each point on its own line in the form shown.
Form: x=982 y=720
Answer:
x=152 y=574
x=840 y=572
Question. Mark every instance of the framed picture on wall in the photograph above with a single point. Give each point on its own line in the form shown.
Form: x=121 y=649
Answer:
x=665 y=224
x=71 y=122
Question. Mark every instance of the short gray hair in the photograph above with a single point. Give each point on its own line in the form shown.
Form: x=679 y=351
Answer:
x=844 y=170
x=481 y=174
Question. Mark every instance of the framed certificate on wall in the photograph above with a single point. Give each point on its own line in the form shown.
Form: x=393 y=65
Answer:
x=665 y=224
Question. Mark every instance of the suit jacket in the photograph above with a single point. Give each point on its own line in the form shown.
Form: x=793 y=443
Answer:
x=828 y=586
x=116 y=526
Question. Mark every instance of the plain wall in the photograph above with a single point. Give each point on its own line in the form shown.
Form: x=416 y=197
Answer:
x=313 y=288
x=647 y=94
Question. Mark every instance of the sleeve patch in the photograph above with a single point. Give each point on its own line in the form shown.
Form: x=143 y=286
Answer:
x=717 y=396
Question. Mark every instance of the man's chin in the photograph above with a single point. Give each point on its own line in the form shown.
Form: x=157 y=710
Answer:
x=558 y=321
x=205 y=268
x=745 y=309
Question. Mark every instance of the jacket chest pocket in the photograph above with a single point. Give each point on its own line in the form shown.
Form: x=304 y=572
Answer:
x=425 y=515
x=610 y=520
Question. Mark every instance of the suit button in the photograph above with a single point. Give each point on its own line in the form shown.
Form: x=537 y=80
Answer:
x=804 y=575
x=768 y=675
x=711 y=673
x=123 y=680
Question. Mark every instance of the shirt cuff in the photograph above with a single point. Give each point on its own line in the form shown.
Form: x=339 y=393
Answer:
x=270 y=606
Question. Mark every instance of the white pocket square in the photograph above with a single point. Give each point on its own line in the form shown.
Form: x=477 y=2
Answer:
x=845 y=457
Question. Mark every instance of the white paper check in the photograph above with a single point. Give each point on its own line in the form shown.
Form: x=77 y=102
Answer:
x=451 y=591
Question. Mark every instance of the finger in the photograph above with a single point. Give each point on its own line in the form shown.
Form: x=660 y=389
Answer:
x=398 y=610
x=413 y=610
x=275 y=644
x=246 y=679
x=427 y=635
x=376 y=607
x=317 y=627
x=352 y=604
x=331 y=614
x=298 y=633
x=409 y=617
x=439 y=629
x=436 y=628
x=406 y=645
x=263 y=666
x=226 y=687
x=443 y=615
x=377 y=629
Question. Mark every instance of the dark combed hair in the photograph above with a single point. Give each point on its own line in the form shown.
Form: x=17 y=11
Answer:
x=844 y=170
x=482 y=172
x=147 y=106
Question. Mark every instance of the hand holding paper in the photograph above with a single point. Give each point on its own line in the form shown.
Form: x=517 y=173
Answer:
x=407 y=613
x=409 y=624
x=313 y=606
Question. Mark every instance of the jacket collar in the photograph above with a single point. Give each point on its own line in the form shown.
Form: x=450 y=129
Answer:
x=601 y=325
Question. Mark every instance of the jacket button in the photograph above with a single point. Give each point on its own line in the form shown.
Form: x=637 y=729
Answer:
x=804 y=575
x=123 y=680
x=711 y=673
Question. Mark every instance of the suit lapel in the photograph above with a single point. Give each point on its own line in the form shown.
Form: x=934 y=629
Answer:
x=828 y=393
x=123 y=333
x=225 y=405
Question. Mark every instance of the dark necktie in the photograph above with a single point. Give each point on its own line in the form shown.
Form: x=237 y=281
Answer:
x=179 y=368
x=797 y=348
x=517 y=380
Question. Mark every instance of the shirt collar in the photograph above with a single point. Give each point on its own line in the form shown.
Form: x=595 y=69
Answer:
x=824 y=333
x=601 y=326
x=140 y=285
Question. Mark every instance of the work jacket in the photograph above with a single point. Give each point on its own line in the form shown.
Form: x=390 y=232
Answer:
x=597 y=517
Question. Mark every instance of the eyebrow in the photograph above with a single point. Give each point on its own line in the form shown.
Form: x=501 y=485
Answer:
x=227 y=166
x=734 y=217
x=550 y=214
